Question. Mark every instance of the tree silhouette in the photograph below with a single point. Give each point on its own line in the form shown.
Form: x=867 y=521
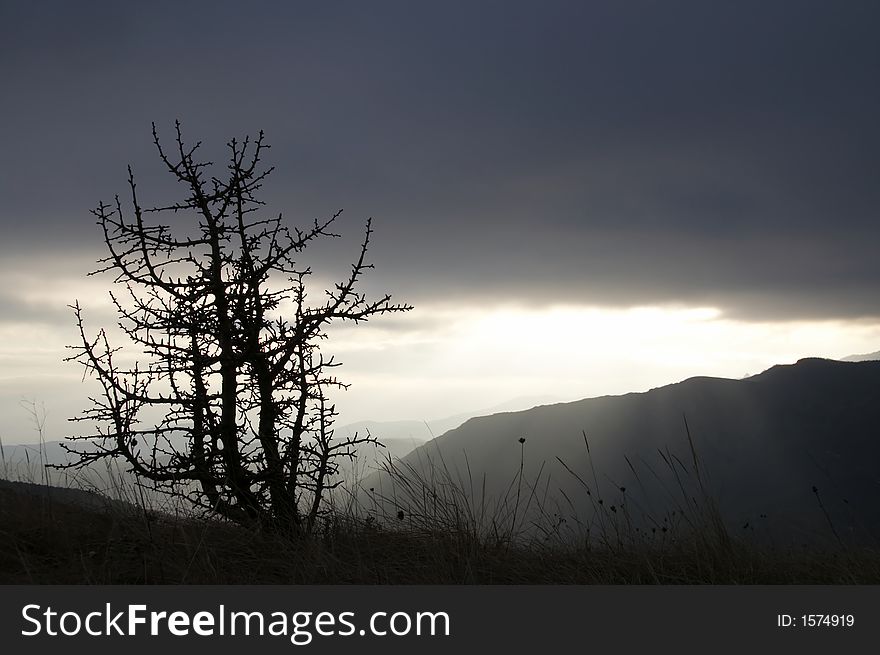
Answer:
x=228 y=359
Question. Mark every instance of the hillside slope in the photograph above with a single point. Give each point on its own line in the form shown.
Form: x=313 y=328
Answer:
x=763 y=444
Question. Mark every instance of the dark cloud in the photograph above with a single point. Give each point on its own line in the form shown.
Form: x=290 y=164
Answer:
x=617 y=153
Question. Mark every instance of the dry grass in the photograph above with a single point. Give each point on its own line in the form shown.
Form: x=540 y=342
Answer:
x=45 y=540
x=430 y=527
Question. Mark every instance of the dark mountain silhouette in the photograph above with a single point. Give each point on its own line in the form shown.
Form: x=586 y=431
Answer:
x=792 y=453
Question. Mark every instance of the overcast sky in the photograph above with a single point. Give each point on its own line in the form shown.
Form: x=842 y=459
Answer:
x=714 y=157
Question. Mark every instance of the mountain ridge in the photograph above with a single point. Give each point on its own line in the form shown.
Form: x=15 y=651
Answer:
x=765 y=441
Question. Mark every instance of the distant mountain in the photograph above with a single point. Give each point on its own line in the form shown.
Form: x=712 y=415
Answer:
x=869 y=357
x=764 y=443
x=402 y=437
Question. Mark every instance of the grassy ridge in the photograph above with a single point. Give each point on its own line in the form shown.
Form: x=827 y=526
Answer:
x=47 y=540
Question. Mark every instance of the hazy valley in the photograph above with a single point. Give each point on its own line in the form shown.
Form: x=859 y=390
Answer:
x=788 y=455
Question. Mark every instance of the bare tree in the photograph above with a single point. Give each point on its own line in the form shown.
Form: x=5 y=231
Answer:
x=227 y=346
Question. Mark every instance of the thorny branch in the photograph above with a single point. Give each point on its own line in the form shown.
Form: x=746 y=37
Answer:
x=229 y=360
